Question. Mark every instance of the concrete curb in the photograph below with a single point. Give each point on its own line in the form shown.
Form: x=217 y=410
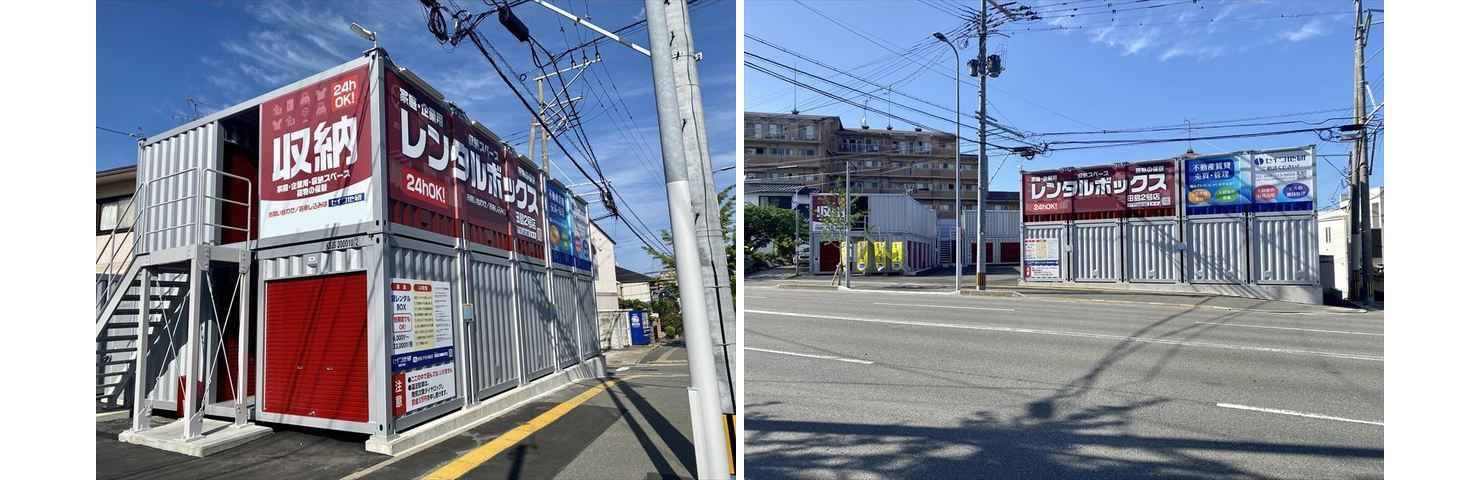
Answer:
x=800 y=286
x=113 y=415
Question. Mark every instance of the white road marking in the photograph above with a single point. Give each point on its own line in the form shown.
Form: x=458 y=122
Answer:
x=753 y=296
x=945 y=306
x=1353 y=356
x=623 y=369
x=825 y=357
x=1289 y=328
x=1298 y=414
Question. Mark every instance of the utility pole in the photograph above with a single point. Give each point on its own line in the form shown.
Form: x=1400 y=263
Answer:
x=1359 y=251
x=982 y=181
x=848 y=225
x=713 y=261
x=704 y=396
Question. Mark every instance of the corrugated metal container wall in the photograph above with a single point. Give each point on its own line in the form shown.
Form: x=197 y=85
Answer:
x=563 y=293
x=1284 y=249
x=417 y=260
x=535 y=345
x=586 y=290
x=493 y=338
x=1096 y=251
x=169 y=206
x=1151 y=250
x=1215 y=250
x=1055 y=231
x=896 y=213
x=1000 y=224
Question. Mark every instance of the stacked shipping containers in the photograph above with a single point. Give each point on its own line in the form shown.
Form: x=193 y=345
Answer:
x=383 y=209
x=895 y=236
x=1122 y=223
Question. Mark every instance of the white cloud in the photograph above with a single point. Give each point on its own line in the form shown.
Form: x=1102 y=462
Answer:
x=1311 y=29
x=1198 y=53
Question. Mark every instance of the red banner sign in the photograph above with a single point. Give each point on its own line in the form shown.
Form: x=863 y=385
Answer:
x=1152 y=185
x=480 y=173
x=525 y=201
x=1047 y=192
x=1098 y=189
x=315 y=156
x=419 y=140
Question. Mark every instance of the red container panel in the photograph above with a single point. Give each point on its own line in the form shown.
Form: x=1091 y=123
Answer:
x=1011 y=252
x=828 y=257
x=316 y=348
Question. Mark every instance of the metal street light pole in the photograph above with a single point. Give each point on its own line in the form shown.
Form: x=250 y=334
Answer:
x=848 y=225
x=957 y=153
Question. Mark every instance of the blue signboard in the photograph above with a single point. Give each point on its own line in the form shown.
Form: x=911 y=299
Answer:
x=1217 y=184
x=1284 y=180
x=558 y=211
x=637 y=321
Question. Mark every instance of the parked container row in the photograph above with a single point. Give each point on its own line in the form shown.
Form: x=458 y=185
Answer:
x=1243 y=218
x=887 y=234
x=408 y=263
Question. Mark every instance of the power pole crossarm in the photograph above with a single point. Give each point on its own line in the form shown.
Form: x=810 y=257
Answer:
x=595 y=28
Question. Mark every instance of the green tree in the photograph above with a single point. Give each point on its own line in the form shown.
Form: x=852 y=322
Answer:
x=837 y=223
x=666 y=287
x=767 y=225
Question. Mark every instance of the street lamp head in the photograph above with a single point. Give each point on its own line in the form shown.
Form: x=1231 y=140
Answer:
x=363 y=33
x=939 y=36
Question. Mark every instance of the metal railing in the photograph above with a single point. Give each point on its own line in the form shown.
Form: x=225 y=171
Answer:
x=112 y=276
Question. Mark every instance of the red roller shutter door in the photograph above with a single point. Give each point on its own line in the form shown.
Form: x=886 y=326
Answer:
x=315 y=339
x=1011 y=252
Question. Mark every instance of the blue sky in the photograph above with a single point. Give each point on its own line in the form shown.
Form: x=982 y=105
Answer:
x=152 y=55
x=1201 y=61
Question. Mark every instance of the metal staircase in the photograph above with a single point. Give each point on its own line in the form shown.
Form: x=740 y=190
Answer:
x=154 y=275
x=117 y=333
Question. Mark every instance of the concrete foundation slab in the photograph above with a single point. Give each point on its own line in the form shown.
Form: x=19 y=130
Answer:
x=217 y=435
x=453 y=423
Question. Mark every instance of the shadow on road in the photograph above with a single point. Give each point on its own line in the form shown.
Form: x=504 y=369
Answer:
x=1051 y=438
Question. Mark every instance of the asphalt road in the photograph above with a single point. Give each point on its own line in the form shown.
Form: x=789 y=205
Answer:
x=896 y=385
x=637 y=429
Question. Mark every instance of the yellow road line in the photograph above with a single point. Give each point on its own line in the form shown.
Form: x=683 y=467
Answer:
x=466 y=463
x=665 y=355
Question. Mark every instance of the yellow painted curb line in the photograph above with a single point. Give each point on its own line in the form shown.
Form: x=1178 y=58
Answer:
x=466 y=463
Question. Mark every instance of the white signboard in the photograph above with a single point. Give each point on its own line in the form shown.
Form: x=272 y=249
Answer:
x=1041 y=258
x=421 y=316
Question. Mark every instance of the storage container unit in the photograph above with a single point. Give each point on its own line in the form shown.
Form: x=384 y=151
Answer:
x=1002 y=236
x=897 y=229
x=1244 y=225
x=399 y=250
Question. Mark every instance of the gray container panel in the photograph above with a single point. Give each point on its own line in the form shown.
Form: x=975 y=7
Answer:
x=590 y=342
x=313 y=263
x=1054 y=231
x=567 y=341
x=415 y=260
x=1151 y=251
x=536 y=347
x=493 y=350
x=1000 y=224
x=169 y=211
x=1096 y=251
x=1215 y=250
x=1284 y=250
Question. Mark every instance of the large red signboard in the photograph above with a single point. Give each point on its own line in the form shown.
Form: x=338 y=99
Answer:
x=315 y=156
x=481 y=163
x=419 y=138
x=1099 y=189
x=1152 y=185
x=524 y=202
x=1046 y=193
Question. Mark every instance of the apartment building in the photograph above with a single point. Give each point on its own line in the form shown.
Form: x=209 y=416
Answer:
x=814 y=150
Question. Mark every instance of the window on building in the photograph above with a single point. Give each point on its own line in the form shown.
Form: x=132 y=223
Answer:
x=807 y=152
x=1328 y=234
x=778 y=201
x=750 y=150
x=111 y=214
x=781 y=152
x=809 y=132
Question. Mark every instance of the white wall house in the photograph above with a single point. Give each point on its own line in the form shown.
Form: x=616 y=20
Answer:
x=1334 y=234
